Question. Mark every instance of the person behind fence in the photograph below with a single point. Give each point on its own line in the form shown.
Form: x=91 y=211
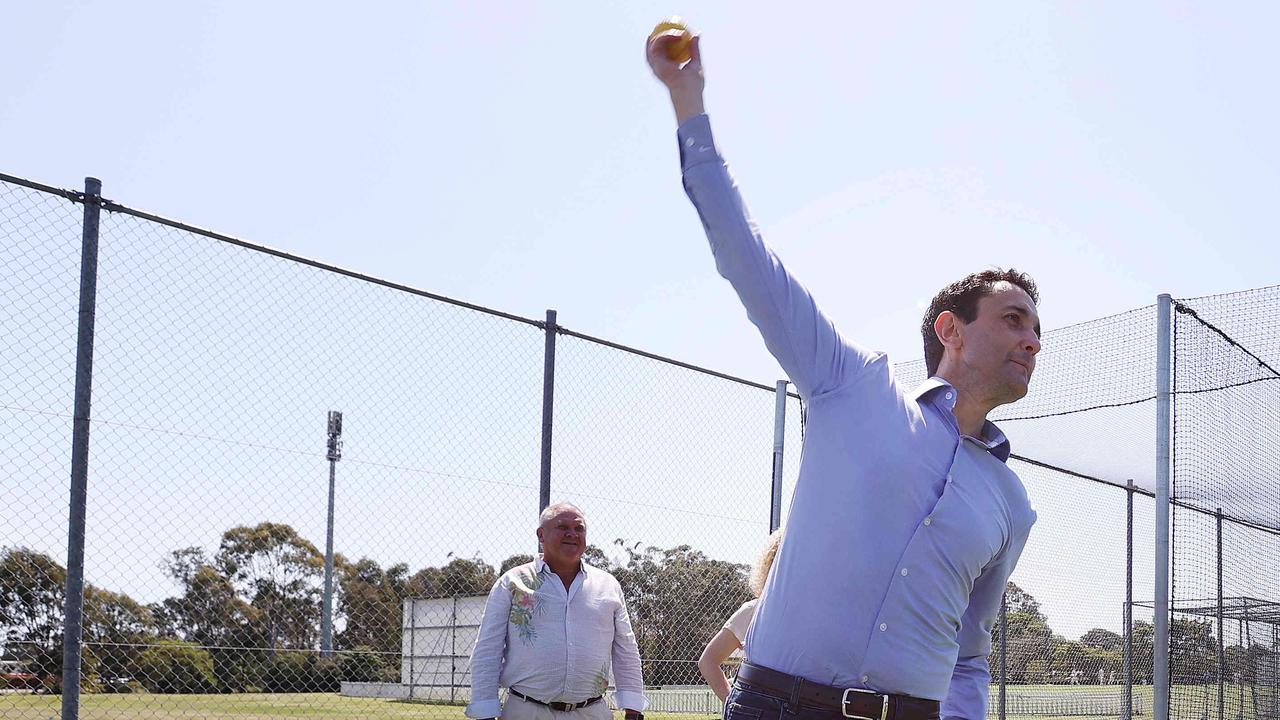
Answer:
x=734 y=633
x=552 y=633
x=905 y=522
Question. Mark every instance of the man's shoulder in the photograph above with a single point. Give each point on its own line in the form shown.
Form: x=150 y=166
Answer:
x=525 y=572
x=600 y=575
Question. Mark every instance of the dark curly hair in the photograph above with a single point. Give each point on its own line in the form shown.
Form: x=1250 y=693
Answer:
x=961 y=297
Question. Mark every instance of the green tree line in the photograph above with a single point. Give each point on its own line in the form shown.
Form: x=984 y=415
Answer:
x=247 y=618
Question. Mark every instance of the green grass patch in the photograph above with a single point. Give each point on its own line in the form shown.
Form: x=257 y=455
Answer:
x=1187 y=703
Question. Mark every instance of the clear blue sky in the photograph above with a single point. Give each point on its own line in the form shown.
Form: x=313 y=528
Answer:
x=521 y=156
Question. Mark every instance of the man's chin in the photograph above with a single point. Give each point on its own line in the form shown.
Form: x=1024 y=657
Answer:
x=1015 y=390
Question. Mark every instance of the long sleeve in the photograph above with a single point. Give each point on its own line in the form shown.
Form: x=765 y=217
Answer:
x=970 y=683
x=971 y=680
x=487 y=654
x=627 y=677
x=799 y=336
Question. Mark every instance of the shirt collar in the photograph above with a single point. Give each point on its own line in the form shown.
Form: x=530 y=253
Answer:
x=942 y=395
x=540 y=565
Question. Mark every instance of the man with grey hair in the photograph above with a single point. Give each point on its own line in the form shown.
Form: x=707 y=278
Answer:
x=552 y=633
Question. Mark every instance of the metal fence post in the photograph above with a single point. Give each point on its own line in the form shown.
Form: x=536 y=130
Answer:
x=1128 y=601
x=548 y=409
x=779 y=440
x=453 y=651
x=73 y=620
x=413 y=645
x=1160 y=664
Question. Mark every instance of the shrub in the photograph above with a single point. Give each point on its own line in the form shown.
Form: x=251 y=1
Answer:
x=362 y=664
x=174 y=666
x=292 y=671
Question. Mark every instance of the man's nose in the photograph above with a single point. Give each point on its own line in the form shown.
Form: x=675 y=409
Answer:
x=1033 y=343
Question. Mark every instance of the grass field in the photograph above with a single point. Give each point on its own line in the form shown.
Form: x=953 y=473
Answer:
x=23 y=706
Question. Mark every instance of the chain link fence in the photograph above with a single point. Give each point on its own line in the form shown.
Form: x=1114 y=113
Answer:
x=208 y=510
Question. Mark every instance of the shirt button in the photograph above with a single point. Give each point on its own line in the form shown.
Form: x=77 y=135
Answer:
x=865 y=678
x=883 y=627
x=950 y=395
x=689 y=143
x=948 y=478
x=928 y=521
x=904 y=572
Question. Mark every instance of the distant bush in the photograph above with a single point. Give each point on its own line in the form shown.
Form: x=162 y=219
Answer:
x=362 y=664
x=292 y=671
x=174 y=666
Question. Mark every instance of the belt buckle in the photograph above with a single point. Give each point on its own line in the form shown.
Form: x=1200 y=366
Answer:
x=844 y=704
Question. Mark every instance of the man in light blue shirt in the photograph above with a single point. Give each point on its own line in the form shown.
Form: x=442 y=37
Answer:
x=906 y=522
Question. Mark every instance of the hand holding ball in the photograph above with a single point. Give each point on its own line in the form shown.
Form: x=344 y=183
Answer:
x=677 y=50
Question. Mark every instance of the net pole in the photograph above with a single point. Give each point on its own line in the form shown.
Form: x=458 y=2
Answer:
x=1160 y=667
x=1128 y=602
x=779 y=441
x=1004 y=654
x=1222 y=660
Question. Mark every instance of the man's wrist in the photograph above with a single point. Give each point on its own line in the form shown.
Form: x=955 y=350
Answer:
x=687 y=102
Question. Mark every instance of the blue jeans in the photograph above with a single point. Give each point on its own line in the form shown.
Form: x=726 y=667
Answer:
x=750 y=702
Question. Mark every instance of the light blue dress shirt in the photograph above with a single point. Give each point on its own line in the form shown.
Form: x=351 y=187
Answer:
x=902 y=532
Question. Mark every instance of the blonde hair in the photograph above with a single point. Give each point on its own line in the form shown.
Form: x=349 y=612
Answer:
x=760 y=572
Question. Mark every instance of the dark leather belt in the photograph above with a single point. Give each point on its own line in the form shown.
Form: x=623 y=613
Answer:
x=855 y=703
x=561 y=706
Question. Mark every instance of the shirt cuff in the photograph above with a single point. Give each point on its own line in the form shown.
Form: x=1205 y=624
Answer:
x=624 y=700
x=696 y=144
x=484 y=709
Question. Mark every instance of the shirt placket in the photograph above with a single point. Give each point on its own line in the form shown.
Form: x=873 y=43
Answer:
x=885 y=624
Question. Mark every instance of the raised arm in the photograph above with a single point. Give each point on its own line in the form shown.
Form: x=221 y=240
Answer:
x=685 y=82
x=799 y=336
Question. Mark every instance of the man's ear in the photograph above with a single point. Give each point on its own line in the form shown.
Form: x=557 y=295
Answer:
x=539 y=534
x=950 y=330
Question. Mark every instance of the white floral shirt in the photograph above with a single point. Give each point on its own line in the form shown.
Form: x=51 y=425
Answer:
x=553 y=644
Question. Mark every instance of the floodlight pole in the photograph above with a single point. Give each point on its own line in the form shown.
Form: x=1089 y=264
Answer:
x=1164 y=417
x=334 y=454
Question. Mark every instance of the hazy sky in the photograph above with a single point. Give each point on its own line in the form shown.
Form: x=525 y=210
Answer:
x=521 y=156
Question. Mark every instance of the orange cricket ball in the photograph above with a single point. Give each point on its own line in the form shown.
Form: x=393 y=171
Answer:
x=678 y=50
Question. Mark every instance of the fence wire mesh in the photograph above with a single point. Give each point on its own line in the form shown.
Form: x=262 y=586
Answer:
x=39 y=284
x=217 y=362
x=1225 y=627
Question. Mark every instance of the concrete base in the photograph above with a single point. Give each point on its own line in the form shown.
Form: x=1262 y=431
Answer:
x=394 y=691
